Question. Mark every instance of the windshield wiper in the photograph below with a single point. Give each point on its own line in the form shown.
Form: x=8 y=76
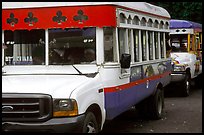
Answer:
x=87 y=75
x=77 y=70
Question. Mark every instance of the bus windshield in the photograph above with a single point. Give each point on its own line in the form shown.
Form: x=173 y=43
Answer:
x=66 y=47
x=179 y=43
x=72 y=46
x=185 y=36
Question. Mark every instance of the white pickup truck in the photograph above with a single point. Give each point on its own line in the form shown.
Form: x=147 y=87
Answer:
x=186 y=54
x=185 y=68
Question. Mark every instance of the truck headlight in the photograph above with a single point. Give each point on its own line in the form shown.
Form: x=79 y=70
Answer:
x=179 y=68
x=65 y=107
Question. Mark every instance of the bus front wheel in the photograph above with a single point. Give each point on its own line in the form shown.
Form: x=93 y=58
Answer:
x=90 y=124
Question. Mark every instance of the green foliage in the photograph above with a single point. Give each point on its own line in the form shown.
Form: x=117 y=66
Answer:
x=191 y=11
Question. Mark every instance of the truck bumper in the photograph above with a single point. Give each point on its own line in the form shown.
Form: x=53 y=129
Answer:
x=56 y=125
x=178 y=76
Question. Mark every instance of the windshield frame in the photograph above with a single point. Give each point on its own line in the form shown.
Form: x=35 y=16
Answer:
x=47 y=43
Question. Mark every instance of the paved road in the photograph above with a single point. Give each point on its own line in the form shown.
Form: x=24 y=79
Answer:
x=181 y=115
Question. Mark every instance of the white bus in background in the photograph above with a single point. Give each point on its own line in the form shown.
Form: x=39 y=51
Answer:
x=186 y=53
x=69 y=67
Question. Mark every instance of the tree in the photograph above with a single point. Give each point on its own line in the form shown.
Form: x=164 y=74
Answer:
x=191 y=11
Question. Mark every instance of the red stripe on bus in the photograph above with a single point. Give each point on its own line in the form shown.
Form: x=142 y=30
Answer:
x=138 y=82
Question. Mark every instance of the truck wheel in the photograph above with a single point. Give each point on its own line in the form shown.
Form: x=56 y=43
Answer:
x=90 y=124
x=198 y=81
x=186 y=85
x=156 y=105
x=152 y=107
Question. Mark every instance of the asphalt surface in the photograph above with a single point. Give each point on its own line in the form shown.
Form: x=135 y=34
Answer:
x=181 y=115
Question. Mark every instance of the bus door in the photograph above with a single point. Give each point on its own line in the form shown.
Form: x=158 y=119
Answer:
x=124 y=94
x=198 y=53
x=117 y=93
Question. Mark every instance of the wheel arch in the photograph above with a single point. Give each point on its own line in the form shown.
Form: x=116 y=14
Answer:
x=95 y=109
x=158 y=86
x=188 y=71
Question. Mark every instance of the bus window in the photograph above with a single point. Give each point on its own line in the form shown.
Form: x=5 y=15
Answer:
x=167 y=43
x=122 y=44
x=136 y=44
x=144 y=46
x=197 y=42
x=150 y=42
x=200 y=37
x=162 y=44
x=191 y=43
x=72 y=46
x=136 y=73
x=129 y=41
x=25 y=47
x=156 y=45
x=122 y=18
x=109 y=45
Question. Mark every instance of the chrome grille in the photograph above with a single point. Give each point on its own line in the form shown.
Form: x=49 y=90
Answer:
x=26 y=107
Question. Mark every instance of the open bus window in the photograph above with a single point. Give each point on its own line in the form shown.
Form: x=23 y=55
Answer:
x=72 y=46
x=156 y=42
x=25 y=47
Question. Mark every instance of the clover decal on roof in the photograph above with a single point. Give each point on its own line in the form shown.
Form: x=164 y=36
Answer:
x=31 y=19
x=12 y=20
x=59 y=18
x=80 y=17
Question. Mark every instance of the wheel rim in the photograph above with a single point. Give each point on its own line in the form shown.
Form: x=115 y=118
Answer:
x=187 y=86
x=91 y=128
x=159 y=105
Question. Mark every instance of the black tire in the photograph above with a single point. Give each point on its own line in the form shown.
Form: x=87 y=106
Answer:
x=198 y=81
x=90 y=124
x=156 y=105
x=152 y=107
x=186 y=85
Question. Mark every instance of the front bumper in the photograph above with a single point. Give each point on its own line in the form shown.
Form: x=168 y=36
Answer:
x=56 y=125
x=178 y=76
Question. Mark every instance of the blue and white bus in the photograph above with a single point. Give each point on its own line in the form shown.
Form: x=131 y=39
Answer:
x=71 y=66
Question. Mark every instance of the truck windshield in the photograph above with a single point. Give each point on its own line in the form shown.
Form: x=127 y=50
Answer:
x=65 y=47
x=72 y=46
x=24 y=47
x=179 y=43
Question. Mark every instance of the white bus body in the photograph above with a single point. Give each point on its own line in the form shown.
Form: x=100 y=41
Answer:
x=48 y=82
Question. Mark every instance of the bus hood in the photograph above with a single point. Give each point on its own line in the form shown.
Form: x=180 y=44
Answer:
x=58 y=86
x=181 y=58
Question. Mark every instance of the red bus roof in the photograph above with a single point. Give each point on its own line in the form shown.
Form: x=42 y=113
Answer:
x=43 y=15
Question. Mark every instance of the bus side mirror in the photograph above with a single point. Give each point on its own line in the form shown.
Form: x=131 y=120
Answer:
x=125 y=60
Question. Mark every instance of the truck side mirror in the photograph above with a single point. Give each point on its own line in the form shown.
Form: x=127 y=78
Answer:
x=125 y=60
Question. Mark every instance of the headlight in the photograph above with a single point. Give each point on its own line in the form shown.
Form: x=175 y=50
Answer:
x=179 y=68
x=65 y=107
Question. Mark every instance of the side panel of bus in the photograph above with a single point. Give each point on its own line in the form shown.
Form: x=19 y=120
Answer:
x=143 y=82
